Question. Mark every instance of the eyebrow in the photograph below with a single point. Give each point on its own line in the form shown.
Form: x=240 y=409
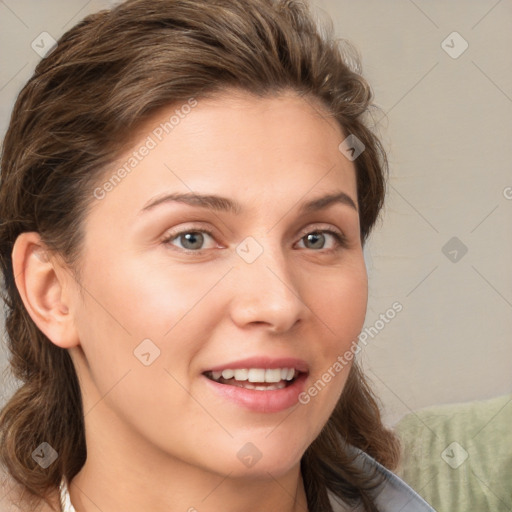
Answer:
x=219 y=203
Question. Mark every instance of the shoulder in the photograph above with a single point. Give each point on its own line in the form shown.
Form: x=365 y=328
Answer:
x=13 y=497
x=9 y=491
x=391 y=494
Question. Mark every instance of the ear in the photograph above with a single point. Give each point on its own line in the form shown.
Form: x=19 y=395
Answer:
x=44 y=286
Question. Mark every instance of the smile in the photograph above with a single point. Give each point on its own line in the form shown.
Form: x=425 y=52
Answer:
x=260 y=379
x=258 y=389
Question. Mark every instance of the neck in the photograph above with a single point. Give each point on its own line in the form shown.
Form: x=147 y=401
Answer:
x=93 y=490
x=125 y=472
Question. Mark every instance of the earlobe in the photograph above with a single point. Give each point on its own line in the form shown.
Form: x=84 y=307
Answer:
x=41 y=284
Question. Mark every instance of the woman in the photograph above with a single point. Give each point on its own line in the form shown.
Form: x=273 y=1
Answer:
x=187 y=187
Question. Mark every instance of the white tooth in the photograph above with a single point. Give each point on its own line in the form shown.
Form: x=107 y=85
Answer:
x=228 y=374
x=256 y=375
x=273 y=375
x=241 y=374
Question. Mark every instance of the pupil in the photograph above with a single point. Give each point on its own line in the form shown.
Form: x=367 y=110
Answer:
x=192 y=238
x=317 y=235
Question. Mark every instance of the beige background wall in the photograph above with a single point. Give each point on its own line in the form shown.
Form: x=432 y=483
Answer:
x=448 y=132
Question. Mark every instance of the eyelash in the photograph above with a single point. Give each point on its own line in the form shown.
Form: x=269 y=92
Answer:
x=341 y=240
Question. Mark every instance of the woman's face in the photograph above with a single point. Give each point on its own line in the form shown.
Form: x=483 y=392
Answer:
x=173 y=289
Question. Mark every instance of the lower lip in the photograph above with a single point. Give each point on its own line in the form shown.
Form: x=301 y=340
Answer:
x=275 y=400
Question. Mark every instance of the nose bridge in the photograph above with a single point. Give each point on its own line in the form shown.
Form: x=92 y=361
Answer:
x=266 y=289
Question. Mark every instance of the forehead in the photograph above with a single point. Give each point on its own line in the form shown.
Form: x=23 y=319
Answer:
x=237 y=144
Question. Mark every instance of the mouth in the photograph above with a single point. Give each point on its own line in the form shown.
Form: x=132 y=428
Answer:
x=259 y=384
x=259 y=379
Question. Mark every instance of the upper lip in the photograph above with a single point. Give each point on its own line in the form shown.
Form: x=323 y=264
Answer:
x=263 y=362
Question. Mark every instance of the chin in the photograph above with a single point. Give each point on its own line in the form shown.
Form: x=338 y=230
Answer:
x=258 y=459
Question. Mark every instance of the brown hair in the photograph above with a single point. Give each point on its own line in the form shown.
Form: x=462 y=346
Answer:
x=75 y=116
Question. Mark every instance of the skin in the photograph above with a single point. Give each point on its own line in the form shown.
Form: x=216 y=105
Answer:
x=157 y=438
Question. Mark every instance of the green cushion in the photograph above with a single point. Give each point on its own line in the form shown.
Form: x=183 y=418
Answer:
x=459 y=457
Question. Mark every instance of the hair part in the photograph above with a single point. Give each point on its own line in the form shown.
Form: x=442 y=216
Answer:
x=73 y=119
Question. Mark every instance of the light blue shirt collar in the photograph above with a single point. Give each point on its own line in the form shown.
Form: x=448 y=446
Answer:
x=392 y=495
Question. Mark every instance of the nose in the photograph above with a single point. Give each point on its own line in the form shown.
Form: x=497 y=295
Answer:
x=267 y=291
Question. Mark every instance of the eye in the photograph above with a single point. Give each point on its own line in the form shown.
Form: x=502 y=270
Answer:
x=317 y=239
x=191 y=239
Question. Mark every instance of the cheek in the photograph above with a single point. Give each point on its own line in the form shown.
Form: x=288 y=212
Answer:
x=131 y=310
x=340 y=307
x=144 y=299
x=135 y=301
x=347 y=296
x=340 y=301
